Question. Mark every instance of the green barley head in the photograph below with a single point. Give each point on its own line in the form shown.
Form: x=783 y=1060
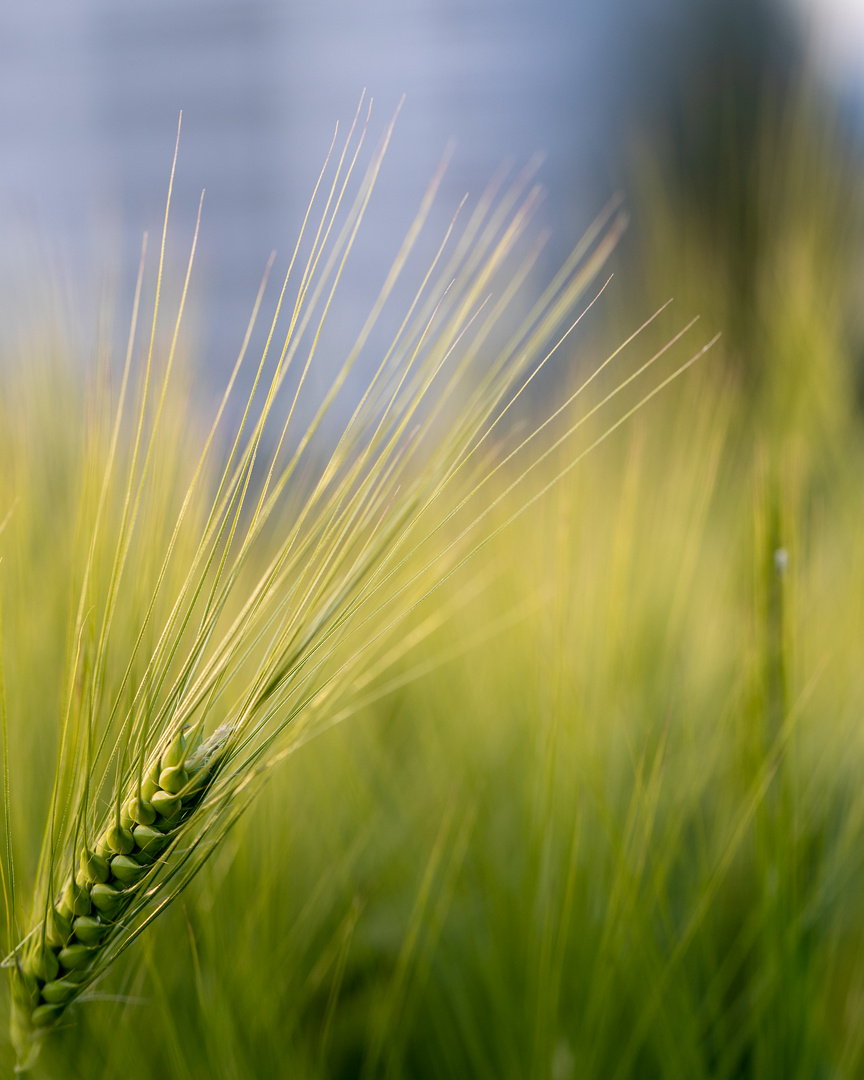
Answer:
x=237 y=593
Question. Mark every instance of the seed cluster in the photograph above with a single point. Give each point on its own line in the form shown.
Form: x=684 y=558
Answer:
x=58 y=961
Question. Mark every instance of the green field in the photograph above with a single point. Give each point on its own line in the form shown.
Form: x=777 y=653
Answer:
x=604 y=817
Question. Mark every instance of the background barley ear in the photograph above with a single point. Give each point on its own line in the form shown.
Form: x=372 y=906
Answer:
x=237 y=590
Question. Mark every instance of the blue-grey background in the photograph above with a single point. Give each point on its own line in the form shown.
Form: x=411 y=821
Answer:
x=90 y=92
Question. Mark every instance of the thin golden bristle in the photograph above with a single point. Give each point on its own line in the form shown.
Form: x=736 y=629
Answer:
x=230 y=608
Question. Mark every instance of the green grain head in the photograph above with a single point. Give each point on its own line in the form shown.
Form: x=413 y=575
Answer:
x=238 y=590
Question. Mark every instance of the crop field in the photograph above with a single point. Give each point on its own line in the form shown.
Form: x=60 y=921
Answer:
x=588 y=805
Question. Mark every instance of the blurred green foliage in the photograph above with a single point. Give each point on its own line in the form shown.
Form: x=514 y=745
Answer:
x=608 y=822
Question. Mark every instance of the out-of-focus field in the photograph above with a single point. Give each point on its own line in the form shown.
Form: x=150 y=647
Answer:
x=608 y=820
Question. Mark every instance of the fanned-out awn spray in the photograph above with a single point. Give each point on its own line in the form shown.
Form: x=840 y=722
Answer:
x=282 y=583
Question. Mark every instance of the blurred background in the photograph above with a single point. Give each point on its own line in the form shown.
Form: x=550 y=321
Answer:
x=611 y=92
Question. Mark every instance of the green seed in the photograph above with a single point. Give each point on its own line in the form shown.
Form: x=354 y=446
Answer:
x=168 y=806
x=76 y=956
x=59 y=991
x=43 y=1015
x=151 y=841
x=77 y=898
x=93 y=867
x=101 y=847
x=42 y=964
x=149 y=787
x=175 y=754
x=77 y=977
x=173 y=779
x=125 y=869
x=119 y=840
x=107 y=900
x=89 y=931
x=140 y=811
x=58 y=929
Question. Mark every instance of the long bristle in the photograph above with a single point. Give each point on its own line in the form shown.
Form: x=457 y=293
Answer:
x=230 y=608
